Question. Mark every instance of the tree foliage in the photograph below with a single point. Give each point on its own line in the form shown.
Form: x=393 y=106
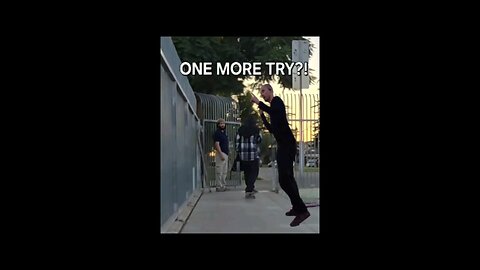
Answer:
x=246 y=109
x=235 y=49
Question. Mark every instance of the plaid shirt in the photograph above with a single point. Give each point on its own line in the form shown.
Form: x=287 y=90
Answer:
x=248 y=148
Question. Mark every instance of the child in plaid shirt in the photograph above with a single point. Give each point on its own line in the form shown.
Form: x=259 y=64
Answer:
x=247 y=143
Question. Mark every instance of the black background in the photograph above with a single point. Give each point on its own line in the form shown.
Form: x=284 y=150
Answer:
x=100 y=128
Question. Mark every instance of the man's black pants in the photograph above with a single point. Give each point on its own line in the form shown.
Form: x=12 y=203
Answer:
x=285 y=159
x=250 y=170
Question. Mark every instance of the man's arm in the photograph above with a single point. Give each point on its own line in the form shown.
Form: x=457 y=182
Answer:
x=276 y=105
x=219 y=150
x=265 y=121
x=264 y=107
x=259 y=138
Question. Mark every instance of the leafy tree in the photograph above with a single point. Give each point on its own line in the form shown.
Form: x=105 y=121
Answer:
x=246 y=108
x=235 y=49
x=268 y=141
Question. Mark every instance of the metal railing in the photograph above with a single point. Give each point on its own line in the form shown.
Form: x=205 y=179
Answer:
x=307 y=173
x=212 y=107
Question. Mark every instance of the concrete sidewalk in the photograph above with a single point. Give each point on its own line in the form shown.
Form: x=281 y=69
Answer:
x=230 y=212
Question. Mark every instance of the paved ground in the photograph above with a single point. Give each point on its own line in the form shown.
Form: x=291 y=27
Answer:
x=230 y=212
x=308 y=193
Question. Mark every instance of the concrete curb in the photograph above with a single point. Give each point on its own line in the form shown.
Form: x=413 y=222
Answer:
x=177 y=225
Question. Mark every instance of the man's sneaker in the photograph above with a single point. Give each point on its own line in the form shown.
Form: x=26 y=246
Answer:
x=255 y=191
x=299 y=219
x=290 y=213
x=249 y=195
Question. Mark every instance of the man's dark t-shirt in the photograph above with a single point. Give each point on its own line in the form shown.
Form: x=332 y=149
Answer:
x=222 y=138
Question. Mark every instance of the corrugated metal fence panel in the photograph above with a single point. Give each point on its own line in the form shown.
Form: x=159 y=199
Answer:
x=179 y=125
x=167 y=149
